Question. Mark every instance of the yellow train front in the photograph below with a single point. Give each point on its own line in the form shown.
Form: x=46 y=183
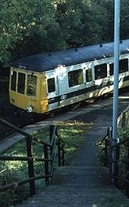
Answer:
x=45 y=82
x=28 y=90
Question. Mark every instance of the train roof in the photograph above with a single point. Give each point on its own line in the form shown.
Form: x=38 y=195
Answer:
x=47 y=61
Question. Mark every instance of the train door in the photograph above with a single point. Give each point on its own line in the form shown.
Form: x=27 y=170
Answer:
x=62 y=84
x=89 y=77
x=62 y=80
x=52 y=90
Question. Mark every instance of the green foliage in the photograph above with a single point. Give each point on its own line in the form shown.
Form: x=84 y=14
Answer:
x=5 y=199
x=33 y=26
x=124 y=29
x=122 y=162
x=123 y=133
x=72 y=133
x=23 y=23
x=40 y=31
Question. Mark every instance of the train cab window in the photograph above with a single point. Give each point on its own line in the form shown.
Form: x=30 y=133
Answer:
x=13 y=80
x=111 y=66
x=100 y=71
x=123 y=65
x=21 y=83
x=51 y=85
x=31 y=85
x=88 y=75
x=75 y=77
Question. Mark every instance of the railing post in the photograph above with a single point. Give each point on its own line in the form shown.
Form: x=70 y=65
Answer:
x=51 y=131
x=110 y=148
x=114 y=153
x=117 y=148
x=51 y=150
x=63 y=155
x=127 y=170
x=127 y=166
x=106 y=153
x=59 y=153
x=52 y=143
x=30 y=164
x=46 y=165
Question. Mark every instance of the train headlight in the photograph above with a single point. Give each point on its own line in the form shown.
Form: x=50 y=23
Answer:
x=29 y=109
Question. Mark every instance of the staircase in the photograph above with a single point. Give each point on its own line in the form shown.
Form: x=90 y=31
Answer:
x=79 y=186
x=84 y=183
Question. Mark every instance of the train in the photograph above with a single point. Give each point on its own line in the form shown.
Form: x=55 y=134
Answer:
x=46 y=82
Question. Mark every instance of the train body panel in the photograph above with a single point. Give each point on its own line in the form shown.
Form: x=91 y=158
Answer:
x=29 y=91
x=46 y=82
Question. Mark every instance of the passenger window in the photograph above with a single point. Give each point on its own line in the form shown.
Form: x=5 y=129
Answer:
x=123 y=65
x=89 y=75
x=100 y=71
x=75 y=78
x=31 y=85
x=13 y=80
x=21 y=83
x=51 y=85
x=111 y=66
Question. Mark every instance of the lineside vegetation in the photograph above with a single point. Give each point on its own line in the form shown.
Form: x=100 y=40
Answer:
x=73 y=133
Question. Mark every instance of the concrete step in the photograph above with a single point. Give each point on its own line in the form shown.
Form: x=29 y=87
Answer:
x=75 y=186
x=77 y=201
x=86 y=175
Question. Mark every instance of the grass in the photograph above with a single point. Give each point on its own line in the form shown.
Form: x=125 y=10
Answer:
x=122 y=160
x=73 y=134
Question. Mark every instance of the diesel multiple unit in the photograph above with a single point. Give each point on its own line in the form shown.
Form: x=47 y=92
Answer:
x=45 y=82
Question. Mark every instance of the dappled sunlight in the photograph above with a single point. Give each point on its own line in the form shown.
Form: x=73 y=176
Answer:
x=74 y=123
x=70 y=149
x=10 y=171
x=73 y=133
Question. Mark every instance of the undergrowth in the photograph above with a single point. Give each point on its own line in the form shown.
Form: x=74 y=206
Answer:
x=72 y=133
x=122 y=159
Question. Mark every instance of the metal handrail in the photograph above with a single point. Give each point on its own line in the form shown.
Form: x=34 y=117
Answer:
x=48 y=160
x=108 y=162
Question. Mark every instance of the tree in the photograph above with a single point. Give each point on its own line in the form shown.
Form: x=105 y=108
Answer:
x=82 y=21
x=33 y=26
x=7 y=29
x=42 y=32
x=28 y=27
x=124 y=20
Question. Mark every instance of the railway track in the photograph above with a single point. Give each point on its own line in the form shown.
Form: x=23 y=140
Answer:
x=22 y=118
x=86 y=113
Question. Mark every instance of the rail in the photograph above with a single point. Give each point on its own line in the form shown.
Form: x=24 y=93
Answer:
x=53 y=156
x=116 y=158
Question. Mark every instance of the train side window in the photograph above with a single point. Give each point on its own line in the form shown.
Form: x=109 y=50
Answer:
x=51 y=85
x=21 y=83
x=89 y=75
x=100 y=71
x=123 y=65
x=13 y=80
x=31 y=85
x=111 y=69
x=75 y=77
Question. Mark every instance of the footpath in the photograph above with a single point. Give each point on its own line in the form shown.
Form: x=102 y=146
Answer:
x=84 y=183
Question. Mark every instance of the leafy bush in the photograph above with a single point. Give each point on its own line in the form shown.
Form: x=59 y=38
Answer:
x=72 y=133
